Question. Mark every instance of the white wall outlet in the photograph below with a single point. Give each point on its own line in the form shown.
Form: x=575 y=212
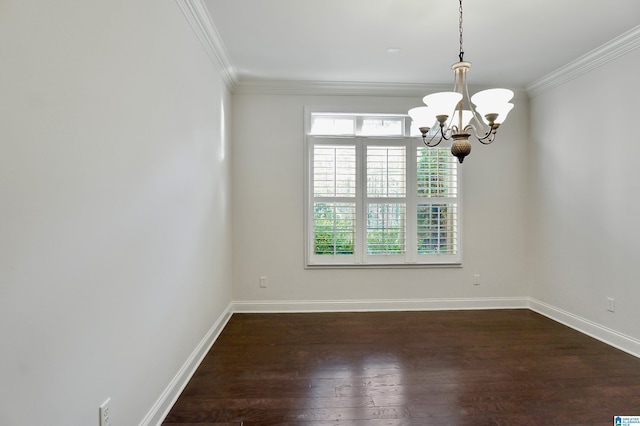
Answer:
x=263 y=282
x=611 y=304
x=105 y=413
x=476 y=279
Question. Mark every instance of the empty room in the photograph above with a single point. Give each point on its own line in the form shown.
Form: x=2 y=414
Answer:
x=288 y=212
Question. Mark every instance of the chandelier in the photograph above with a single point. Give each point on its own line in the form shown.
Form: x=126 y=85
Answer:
x=455 y=115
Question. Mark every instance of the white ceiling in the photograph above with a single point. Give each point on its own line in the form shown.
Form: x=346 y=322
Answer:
x=509 y=42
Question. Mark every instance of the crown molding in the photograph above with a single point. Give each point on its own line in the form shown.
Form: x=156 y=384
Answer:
x=300 y=87
x=206 y=32
x=617 y=47
x=345 y=88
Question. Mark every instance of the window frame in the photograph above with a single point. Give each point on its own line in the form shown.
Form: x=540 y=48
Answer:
x=360 y=259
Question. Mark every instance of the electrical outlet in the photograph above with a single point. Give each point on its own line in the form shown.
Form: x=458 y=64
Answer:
x=105 y=413
x=476 y=279
x=263 y=282
x=611 y=304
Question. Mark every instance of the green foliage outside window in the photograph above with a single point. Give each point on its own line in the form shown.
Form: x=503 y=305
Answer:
x=333 y=228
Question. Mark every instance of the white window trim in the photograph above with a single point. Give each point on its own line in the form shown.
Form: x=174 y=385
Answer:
x=360 y=259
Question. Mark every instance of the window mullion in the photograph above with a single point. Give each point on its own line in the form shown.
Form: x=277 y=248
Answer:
x=358 y=123
x=361 y=194
x=308 y=191
x=412 y=205
x=407 y=127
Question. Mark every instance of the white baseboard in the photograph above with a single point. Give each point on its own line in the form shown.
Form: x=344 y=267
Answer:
x=161 y=408
x=276 y=306
x=610 y=337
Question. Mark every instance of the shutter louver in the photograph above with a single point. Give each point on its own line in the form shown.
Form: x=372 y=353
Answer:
x=386 y=228
x=334 y=171
x=386 y=171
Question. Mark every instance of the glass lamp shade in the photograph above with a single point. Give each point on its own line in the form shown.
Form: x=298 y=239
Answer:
x=501 y=110
x=422 y=116
x=493 y=101
x=492 y=96
x=443 y=103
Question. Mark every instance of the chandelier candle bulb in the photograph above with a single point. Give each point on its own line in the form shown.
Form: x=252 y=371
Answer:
x=459 y=117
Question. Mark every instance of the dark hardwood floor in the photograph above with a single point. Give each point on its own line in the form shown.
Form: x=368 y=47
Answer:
x=494 y=367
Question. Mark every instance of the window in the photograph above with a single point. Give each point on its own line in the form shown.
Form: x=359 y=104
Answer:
x=378 y=197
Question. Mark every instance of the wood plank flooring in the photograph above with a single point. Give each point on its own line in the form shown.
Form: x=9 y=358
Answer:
x=494 y=367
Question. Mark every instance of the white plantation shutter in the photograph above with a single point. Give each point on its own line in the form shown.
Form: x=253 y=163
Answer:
x=334 y=171
x=437 y=233
x=386 y=172
x=334 y=228
x=386 y=228
x=436 y=172
x=436 y=203
x=334 y=202
x=379 y=201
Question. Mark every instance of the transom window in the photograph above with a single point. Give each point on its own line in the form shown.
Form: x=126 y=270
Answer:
x=376 y=196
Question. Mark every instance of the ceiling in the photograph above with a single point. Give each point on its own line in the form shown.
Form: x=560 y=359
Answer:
x=509 y=42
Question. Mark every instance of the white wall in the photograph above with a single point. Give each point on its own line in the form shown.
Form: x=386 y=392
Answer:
x=115 y=206
x=585 y=174
x=115 y=217
x=268 y=212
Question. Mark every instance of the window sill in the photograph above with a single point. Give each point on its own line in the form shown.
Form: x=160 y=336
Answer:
x=385 y=266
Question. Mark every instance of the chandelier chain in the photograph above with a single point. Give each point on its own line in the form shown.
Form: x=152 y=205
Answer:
x=461 y=55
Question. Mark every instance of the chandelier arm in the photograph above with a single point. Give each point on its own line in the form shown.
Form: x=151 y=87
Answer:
x=443 y=133
x=443 y=137
x=474 y=114
x=429 y=144
x=486 y=139
x=480 y=125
